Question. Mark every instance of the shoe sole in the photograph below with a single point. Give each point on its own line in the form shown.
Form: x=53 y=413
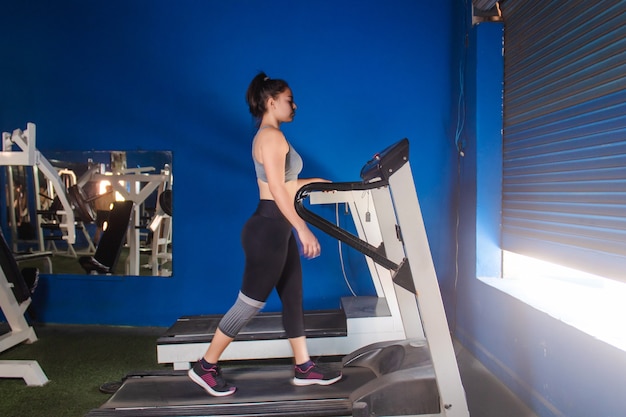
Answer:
x=196 y=378
x=300 y=382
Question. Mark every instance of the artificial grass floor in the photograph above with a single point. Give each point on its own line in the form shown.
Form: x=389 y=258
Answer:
x=77 y=360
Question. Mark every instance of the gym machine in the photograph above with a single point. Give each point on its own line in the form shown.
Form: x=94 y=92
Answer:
x=416 y=374
x=19 y=148
x=105 y=258
x=15 y=299
x=136 y=185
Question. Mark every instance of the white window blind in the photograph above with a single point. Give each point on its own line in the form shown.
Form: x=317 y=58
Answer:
x=564 y=148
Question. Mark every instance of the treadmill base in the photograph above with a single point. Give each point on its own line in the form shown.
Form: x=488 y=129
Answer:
x=388 y=378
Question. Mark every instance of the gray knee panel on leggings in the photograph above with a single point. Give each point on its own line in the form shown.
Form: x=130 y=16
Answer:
x=239 y=315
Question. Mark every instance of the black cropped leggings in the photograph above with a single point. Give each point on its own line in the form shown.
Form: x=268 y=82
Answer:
x=273 y=261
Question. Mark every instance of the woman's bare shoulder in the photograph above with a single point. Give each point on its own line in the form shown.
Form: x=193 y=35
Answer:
x=271 y=139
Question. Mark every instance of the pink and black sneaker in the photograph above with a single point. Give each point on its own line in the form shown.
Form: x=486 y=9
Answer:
x=210 y=378
x=310 y=374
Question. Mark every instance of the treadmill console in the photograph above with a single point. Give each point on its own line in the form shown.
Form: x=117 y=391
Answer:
x=386 y=162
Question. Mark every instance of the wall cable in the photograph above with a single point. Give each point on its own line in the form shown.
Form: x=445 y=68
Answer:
x=341 y=259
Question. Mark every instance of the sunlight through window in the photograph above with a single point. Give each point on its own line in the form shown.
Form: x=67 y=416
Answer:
x=593 y=304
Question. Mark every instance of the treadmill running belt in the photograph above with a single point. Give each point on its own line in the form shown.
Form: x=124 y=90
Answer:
x=261 y=391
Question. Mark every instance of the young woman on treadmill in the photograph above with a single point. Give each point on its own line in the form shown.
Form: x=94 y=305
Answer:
x=271 y=251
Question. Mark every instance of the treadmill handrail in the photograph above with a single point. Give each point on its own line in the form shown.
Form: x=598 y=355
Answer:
x=335 y=231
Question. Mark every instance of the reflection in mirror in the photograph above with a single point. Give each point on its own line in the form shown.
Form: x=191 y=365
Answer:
x=93 y=212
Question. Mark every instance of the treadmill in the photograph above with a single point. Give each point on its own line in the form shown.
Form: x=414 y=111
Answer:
x=414 y=375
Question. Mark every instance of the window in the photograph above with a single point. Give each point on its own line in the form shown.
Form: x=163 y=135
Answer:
x=564 y=134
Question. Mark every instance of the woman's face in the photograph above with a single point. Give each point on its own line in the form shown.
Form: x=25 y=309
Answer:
x=284 y=107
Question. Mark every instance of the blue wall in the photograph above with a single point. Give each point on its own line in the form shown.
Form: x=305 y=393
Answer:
x=162 y=75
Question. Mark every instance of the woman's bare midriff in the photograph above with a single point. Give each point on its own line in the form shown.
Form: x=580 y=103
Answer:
x=265 y=193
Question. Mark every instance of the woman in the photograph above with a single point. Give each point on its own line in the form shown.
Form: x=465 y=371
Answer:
x=271 y=250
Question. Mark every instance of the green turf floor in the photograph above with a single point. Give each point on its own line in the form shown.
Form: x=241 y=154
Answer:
x=77 y=360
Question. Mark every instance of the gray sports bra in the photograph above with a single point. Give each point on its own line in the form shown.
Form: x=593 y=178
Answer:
x=293 y=166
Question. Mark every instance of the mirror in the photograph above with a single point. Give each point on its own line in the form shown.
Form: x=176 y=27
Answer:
x=91 y=212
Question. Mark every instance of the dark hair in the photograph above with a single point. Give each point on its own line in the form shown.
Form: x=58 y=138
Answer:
x=260 y=89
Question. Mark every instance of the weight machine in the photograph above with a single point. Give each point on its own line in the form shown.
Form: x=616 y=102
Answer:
x=14 y=300
x=19 y=148
x=136 y=185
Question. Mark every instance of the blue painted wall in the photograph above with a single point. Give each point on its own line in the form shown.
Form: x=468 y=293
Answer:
x=162 y=75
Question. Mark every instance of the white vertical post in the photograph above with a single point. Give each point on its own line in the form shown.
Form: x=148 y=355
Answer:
x=428 y=295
